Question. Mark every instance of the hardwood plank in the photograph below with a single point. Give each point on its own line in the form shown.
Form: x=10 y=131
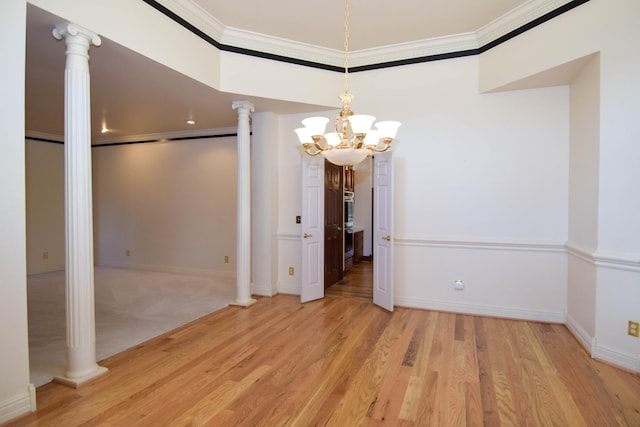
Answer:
x=355 y=358
x=505 y=351
x=362 y=393
x=343 y=361
x=488 y=389
x=388 y=403
x=297 y=377
x=434 y=408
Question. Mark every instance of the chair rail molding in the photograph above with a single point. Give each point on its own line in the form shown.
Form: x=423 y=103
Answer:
x=481 y=244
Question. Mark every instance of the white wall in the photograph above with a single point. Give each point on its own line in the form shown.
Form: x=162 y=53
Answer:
x=488 y=172
x=618 y=254
x=585 y=144
x=17 y=396
x=472 y=166
x=583 y=200
x=264 y=212
x=596 y=27
x=172 y=204
x=363 y=183
x=45 y=206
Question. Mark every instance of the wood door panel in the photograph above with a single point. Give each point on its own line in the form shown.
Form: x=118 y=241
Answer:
x=312 y=277
x=333 y=223
x=383 y=230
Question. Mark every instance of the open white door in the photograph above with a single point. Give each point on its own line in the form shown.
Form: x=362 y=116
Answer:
x=312 y=248
x=383 y=230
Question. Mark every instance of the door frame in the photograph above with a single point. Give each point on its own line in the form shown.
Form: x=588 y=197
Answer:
x=312 y=275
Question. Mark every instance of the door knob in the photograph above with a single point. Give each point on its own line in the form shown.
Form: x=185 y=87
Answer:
x=339 y=229
x=387 y=238
x=305 y=235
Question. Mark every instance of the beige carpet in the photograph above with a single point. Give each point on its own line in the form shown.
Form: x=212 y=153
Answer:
x=131 y=307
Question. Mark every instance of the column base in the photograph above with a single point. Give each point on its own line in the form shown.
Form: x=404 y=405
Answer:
x=77 y=382
x=244 y=303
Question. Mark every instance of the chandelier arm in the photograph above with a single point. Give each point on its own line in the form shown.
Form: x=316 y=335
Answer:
x=336 y=123
x=307 y=148
x=358 y=140
x=379 y=150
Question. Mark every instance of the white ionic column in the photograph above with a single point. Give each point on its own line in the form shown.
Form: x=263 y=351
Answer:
x=243 y=258
x=80 y=304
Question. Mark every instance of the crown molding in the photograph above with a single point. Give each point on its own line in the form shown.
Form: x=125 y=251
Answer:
x=230 y=37
x=516 y=18
x=281 y=47
x=416 y=49
x=196 y=16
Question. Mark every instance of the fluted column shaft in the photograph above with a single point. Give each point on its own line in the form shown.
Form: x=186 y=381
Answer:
x=243 y=266
x=80 y=304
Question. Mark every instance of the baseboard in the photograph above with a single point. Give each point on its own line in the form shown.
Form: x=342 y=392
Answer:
x=263 y=290
x=583 y=337
x=610 y=355
x=18 y=405
x=170 y=269
x=49 y=269
x=483 y=310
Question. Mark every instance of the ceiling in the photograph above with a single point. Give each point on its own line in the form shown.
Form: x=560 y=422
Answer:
x=372 y=23
x=135 y=96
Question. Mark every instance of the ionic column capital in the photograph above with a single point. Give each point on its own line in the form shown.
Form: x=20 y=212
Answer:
x=70 y=29
x=243 y=107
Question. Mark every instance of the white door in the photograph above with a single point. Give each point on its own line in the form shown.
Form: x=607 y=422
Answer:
x=383 y=230
x=312 y=274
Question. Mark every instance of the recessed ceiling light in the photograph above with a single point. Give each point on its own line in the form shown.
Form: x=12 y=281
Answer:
x=191 y=122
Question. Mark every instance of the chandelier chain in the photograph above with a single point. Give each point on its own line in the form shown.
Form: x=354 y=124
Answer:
x=346 y=46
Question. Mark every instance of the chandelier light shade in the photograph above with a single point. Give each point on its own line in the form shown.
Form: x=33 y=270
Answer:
x=353 y=139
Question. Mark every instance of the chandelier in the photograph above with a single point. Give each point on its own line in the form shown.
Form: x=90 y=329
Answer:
x=353 y=139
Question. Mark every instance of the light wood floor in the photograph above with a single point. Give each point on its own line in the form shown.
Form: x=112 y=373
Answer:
x=345 y=362
x=357 y=283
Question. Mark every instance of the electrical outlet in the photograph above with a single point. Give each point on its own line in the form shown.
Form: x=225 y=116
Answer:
x=127 y=252
x=290 y=271
x=298 y=219
x=226 y=259
x=458 y=285
x=45 y=255
x=634 y=329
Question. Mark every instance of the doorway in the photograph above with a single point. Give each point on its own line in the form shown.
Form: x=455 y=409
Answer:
x=348 y=217
x=312 y=230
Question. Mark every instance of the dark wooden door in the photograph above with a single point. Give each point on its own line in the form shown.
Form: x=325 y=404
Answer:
x=333 y=223
x=349 y=184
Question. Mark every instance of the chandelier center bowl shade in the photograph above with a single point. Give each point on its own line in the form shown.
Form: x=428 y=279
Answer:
x=353 y=139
